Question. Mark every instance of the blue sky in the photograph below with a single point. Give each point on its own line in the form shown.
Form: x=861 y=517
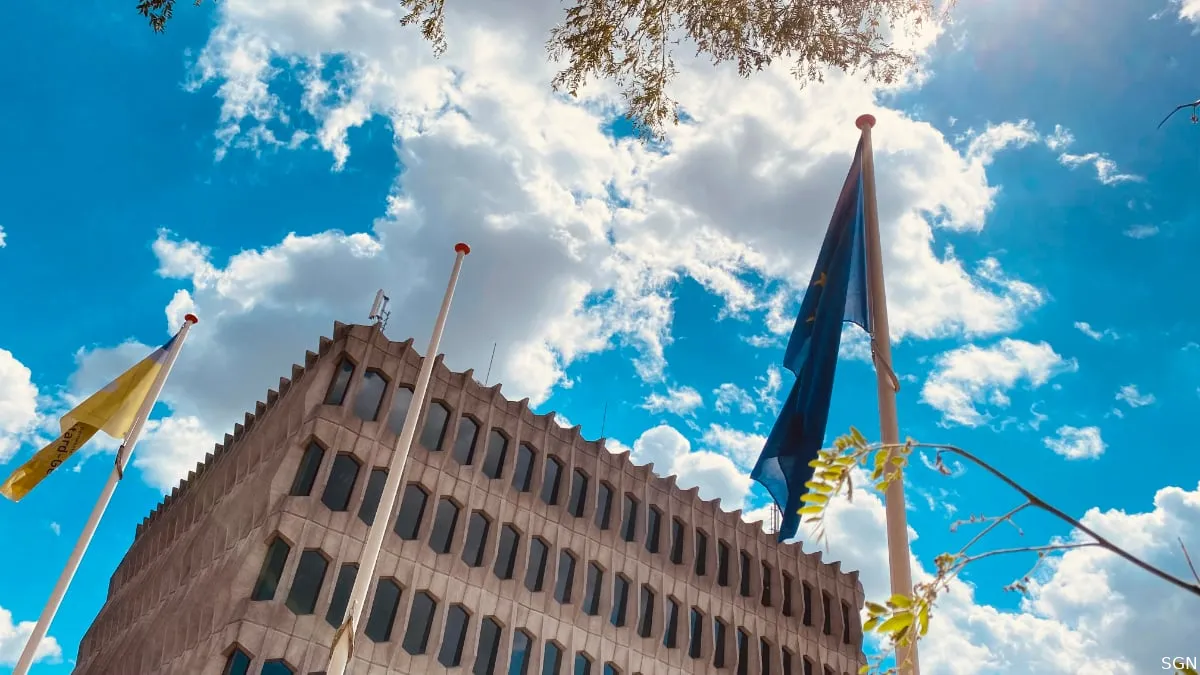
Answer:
x=270 y=168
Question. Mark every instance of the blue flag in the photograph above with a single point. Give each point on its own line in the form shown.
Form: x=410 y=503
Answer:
x=836 y=293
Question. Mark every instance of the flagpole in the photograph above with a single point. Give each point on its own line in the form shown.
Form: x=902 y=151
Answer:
x=886 y=385
x=89 y=529
x=343 y=640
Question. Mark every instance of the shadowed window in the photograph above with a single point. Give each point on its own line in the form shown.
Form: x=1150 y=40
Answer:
x=445 y=522
x=306 y=585
x=401 y=401
x=383 y=611
x=457 y=622
x=744 y=588
x=579 y=488
x=846 y=622
x=806 y=596
x=488 y=649
x=523 y=473
x=522 y=653
x=340 y=382
x=497 y=450
x=611 y=669
x=277 y=667
x=696 y=634
x=272 y=570
x=646 y=615
x=808 y=666
x=566 y=577
x=676 y=541
x=718 y=643
x=722 y=563
x=743 y=652
x=827 y=613
x=604 y=496
x=237 y=663
x=434 y=432
x=340 y=485
x=412 y=510
x=552 y=659
x=370 y=502
x=764 y=656
x=787 y=661
x=535 y=571
x=341 y=595
x=306 y=474
x=653 y=529
x=583 y=664
x=420 y=623
x=591 y=594
x=629 y=518
x=620 y=600
x=670 y=635
x=787 y=594
x=464 y=441
x=477 y=536
x=701 y=553
x=550 y=481
x=506 y=558
x=767 y=573
x=369 y=400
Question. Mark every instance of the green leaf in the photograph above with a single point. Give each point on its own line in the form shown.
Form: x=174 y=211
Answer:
x=870 y=624
x=875 y=609
x=899 y=622
x=810 y=510
x=859 y=439
x=901 y=601
x=814 y=498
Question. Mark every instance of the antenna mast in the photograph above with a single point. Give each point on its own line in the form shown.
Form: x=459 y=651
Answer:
x=488 y=378
x=379 y=310
x=604 y=420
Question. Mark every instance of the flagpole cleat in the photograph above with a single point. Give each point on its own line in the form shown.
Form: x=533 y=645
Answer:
x=865 y=121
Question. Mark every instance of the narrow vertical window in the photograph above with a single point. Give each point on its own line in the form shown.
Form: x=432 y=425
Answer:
x=610 y=668
x=566 y=577
x=457 y=622
x=497 y=451
x=506 y=557
x=535 y=571
x=445 y=521
x=604 y=496
x=646 y=612
x=579 y=488
x=550 y=481
x=488 y=649
x=277 y=667
x=369 y=400
x=583 y=664
x=718 y=643
x=237 y=663
x=846 y=613
x=808 y=666
x=306 y=474
x=766 y=585
x=340 y=485
x=676 y=541
x=744 y=588
x=787 y=594
x=340 y=382
x=722 y=563
x=828 y=670
x=787 y=661
x=412 y=510
x=271 y=571
x=764 y=656
x=522 y=653
x=434 y=432
x=701 y=553
x=477 y=535
x=306 y=585
x=370 y=502
x=629 y=518
x=383 y=611
x=420 y=623
x=826 y=613
x=591 y=592
x=670 y=635
x=523 y=473
x=464 y=441
x=696 y=634
x=806 y=596
x=620 y=600
x=743 y=652
x=653 y=529
x=401 y=401
x=552 y=659
x=341 y=595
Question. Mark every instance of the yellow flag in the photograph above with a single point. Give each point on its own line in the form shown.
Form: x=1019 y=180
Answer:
x=111 y=410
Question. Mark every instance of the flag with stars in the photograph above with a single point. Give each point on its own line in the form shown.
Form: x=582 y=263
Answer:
x=836 y=293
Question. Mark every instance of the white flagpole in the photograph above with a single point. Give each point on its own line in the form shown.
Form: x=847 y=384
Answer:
x=889 y=427
x=89 y=529
x=343 y=640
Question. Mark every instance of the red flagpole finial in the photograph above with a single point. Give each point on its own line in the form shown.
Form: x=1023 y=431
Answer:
x=865 y=121
x=462 y=248
x=191 y=318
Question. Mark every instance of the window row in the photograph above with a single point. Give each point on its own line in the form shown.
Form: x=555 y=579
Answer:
x=649 y=618
x=752 y=581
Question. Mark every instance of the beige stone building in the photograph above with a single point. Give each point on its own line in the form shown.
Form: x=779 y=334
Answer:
x=518 y=548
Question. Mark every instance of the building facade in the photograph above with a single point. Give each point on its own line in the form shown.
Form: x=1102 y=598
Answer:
x=517 y=548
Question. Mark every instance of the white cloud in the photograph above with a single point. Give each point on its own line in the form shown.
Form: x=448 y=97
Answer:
x=997 y=137
x=170 y=448
x=14 y=636
x=3 y=237
x=1106 y=169
x=1189 y=10
x=1076 y=443
x=743 y=448
x=714 y=474
x=1141 y=231
x=680 y=401
x=772 y=382
x=1134 y=398
x=562 y=421
x=969 y=376
x=1086 y=328
x=55 y=528
x=1060 y=139
x=730 y=396
x=18 y=404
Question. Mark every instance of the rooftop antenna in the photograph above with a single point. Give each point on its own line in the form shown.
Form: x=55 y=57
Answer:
x=775 y=519
x=604 y=419
x=487 y=378
x=379 y=310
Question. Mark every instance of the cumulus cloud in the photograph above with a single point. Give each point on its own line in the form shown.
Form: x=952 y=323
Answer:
x=671 y=454
x=966 y=378
x=13 y=637
x=18 y=404
x=1076 y=443
x=680 y=401
x=743 y=448
x=1130 y=395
